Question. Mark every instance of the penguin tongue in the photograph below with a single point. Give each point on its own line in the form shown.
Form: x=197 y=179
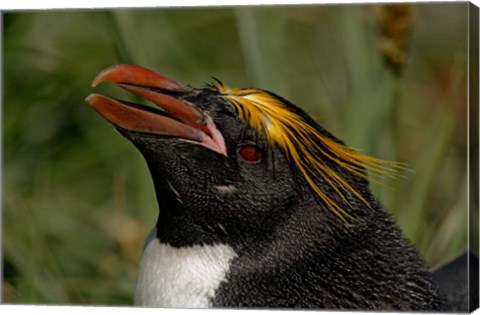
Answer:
x=184 y=120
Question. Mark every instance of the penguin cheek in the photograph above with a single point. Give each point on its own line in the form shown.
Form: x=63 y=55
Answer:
x=226 y=191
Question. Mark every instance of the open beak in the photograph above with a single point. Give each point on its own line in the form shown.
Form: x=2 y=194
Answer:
x=181 y=119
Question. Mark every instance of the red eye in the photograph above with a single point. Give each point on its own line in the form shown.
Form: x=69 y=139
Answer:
x=250 y=153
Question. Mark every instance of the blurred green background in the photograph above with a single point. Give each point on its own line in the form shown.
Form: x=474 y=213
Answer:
x=77 y=197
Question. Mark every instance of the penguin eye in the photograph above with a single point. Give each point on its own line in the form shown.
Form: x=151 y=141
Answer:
x=250 y=153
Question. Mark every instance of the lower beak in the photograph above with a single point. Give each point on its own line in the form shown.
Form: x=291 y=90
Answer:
x=181 y=119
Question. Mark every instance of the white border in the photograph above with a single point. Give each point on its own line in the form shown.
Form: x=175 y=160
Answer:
x=91 y=4
x=97 y=4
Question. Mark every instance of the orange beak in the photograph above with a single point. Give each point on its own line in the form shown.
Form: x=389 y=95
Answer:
x=180 y=118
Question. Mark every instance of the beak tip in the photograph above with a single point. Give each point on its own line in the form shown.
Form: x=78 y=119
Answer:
x=107 y=74
x=101 y=77
x=90 y=99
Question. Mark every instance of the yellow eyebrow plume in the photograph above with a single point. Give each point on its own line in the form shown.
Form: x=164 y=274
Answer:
x=303 y=144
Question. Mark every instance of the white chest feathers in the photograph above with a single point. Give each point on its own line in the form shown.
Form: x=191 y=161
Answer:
x=181 y=277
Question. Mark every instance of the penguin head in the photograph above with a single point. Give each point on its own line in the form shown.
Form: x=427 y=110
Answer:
x=231 y=165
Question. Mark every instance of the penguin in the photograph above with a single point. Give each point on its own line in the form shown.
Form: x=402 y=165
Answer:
x=259 y=205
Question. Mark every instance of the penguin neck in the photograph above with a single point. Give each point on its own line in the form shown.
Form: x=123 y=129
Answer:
x=306 y=229
x=176 y=225
x=179 y=232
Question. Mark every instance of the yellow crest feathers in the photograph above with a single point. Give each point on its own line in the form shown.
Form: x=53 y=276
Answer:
x=303 y=144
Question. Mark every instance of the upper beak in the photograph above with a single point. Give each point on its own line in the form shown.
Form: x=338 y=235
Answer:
x=184 y=121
